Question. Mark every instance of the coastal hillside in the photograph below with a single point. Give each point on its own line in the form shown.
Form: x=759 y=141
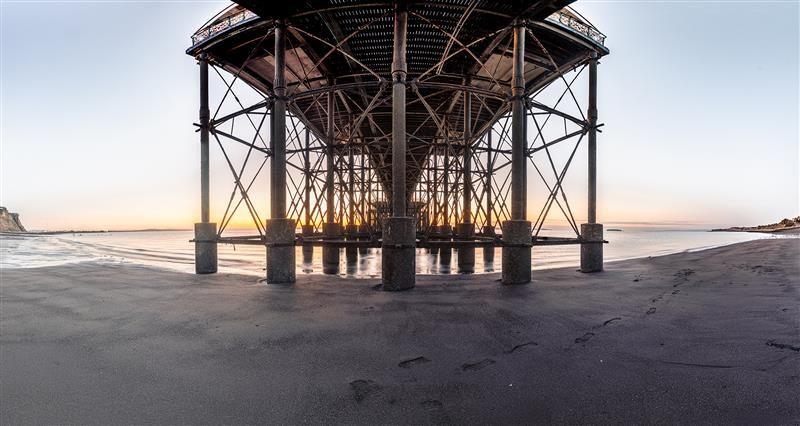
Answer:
x=9 y=222
x=782 y=226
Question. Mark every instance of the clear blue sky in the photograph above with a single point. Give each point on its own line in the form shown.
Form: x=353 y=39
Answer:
x=700 y=102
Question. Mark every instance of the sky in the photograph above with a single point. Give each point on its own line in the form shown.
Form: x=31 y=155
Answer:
x=699 y=102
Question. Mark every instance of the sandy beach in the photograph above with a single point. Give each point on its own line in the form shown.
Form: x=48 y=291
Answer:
x=703 y=337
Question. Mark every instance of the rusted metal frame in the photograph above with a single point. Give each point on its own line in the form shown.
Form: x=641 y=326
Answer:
x=241 y=68
x=242 y=141
x=553 y=194
x=570 y=217
x=553 y=111
x=242 y=190
x=344 y=41
x=241 y=171
x=464 y=16
x=349 y=56
x=458 y=87
x=224 y=223
x=230 y=90
x=457 y=52
x=251 y=109
x=532 y=151
x=560 y=74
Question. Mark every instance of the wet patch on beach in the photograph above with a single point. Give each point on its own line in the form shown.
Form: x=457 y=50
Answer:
x=363 y=388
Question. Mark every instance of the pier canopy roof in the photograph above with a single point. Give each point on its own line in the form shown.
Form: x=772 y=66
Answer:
x=346 y=46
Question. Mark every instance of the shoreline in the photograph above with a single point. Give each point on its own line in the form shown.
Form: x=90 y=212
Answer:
x=130 y=344
x=164 y=265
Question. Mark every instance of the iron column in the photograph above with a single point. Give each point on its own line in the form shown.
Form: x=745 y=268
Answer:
x=518 y=126
x=399 y=71
x=592 y=232
x=330 y=229
x=399 y=233
x=517 y=231
x=205 y=232
x=280 y=232
x=466 y=230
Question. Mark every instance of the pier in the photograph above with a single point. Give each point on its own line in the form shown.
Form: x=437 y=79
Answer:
x=398 y=125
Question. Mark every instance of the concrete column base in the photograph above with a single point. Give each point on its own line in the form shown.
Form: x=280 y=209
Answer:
x=351 y=252
x=280 y=251
x=330 y=255
x=398 y=254
x=308 y=250
x=445 y=231
x=466 y=255
x=516 y=252
x=363 y=229
x=488 y=231
x=591 y=247
x=205 y=248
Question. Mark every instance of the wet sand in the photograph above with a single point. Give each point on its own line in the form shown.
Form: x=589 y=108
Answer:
x=710 y=336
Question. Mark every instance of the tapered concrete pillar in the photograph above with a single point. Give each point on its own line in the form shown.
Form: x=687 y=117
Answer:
x=592 y=232
x=351 y=252
x=516 y=252
x=205 y=232
x=308 y=249
x=466 y=254
x=205 y=248
x=488 y=251
x=517 y=231
x=330 y=254
x=280 y=231
x=399 y=231
x=363 y=230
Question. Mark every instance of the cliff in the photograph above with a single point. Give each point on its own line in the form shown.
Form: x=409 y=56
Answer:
x=9 y=222
x=786 y=225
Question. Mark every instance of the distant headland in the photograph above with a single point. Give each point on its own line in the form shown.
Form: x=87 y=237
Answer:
x=786 y=225
x=9 y=222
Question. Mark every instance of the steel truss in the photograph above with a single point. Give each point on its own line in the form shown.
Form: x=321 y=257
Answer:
x=464 y=164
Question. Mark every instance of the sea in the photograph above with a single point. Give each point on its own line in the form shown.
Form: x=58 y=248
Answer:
x=173 y=250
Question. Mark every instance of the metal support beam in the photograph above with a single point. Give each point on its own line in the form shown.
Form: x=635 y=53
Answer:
x=488 y=184
x=204 y=155
x=518 y=158
x=399 y=234
x=205 y=232
x=279 y=231
x=278 y=128
x=329 y=175
x=592 y=232
x=399 y=72
x=517 y=238
x=592 y=139
x=467 y=169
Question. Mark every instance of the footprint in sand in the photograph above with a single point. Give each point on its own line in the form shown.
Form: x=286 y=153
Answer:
x=413 y=361
x=431 y=403
x=651 y=311
x=520 y=346
x=585 y=338
x=363 y=388
x=475 y=366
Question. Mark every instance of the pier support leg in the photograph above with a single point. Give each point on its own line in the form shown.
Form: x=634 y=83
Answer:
x=516 y=252
x=591 y=247
x=592 y=232
x=466 y=254
x=488 y=251
x=363 y=229
x=398 y=254
x=205 y=248
x=279 y=230
x=330 y=254
x=205 y=232
x=517 y=231
x=399 y=233
x=280 y=251
x=308 y=250
x=351 y=252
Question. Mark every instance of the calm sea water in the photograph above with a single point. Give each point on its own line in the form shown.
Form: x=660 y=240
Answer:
x=172 y=249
